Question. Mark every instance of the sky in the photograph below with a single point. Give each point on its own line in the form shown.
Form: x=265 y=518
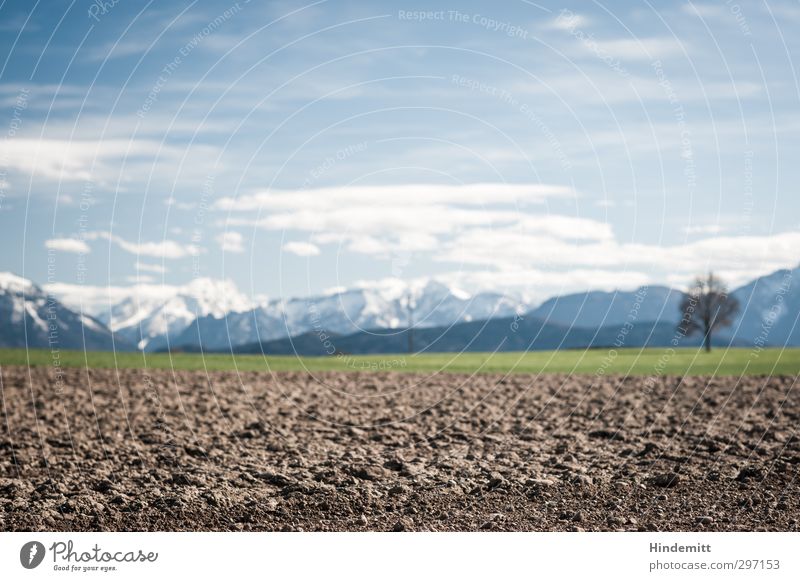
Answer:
x=293 y=148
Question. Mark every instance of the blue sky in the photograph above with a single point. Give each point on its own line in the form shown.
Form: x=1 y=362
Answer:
x=292 y=148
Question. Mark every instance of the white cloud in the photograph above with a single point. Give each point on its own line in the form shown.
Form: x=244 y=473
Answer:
x=379 y=219
x=567 y=227
x=140 y=278
x=231 y=242
x=641 y=49
x=404 y=195
x=146 y=267
x=499 y=242
x=97 y=160
x=569 y=20
x=98 y=300
x=161 y=249
x=703 y=10
x=703 y=229
x=537 y=285
x=301 y=248
x=398 y=242
x=119 y=49
x=742 y=258
x=172 y=202
x=637 y=48
x=67 y=160
x=385 y=219
x=606 y=203
x=68 y=245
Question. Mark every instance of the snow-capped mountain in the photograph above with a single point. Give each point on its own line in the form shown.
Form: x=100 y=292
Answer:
x=215 y=315
x=31 y=318
x=151 y=320
x=769 y=309
x=384 y=306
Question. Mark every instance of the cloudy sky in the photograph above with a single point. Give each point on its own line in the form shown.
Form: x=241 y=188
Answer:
x=292 y=147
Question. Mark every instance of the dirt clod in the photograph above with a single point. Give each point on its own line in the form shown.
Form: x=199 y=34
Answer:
x=666 y=480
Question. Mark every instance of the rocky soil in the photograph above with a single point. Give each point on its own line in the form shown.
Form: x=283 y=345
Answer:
x=162 y=450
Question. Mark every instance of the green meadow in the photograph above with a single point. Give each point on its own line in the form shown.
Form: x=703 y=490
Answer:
x=738 y=361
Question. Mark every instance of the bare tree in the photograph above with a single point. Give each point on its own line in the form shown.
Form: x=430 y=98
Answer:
x=706 y=308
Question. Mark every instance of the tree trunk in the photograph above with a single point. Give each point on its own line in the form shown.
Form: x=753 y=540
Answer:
x=707 y=342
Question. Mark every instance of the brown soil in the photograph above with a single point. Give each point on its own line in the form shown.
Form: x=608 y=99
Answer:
x=160 y=450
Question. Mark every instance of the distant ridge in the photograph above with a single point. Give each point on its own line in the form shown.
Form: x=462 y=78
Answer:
x=506 y=334
x=347 y=312
x=213 y=316
x=30 y=318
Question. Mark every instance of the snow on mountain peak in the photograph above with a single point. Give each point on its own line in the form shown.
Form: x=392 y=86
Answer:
x=145 y=311
x=393 y=289
x=13 y=283
x=154 y=316
x=216 y=297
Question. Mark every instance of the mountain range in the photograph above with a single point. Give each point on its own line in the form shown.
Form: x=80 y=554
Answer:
x=29 y=317
x=150 y=321
x=646 y=317
x=213 y=315
x=502 y=334
x=346 y=312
